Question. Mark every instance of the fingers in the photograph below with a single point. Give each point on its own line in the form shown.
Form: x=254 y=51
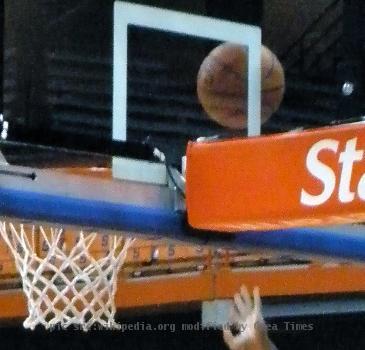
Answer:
x=246 y=314
x=243 y=302
x=246 y=297
x=244 y=305
x=257 y=301
x=234 y=318
x=243 y=310
x=234 y=315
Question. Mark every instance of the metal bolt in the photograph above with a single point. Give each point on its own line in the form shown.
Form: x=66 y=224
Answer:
x=348 y=88
x=4 y=128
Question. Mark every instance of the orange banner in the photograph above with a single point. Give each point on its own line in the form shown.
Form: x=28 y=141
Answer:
x=310 y=178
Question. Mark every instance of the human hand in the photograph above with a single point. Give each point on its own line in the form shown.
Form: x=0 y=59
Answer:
x=247 y=321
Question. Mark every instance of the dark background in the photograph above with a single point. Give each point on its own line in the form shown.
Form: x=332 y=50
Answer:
x=339 y=332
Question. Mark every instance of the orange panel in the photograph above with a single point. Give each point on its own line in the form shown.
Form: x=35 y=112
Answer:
x=7 y=263
x=94 y=171
x=132 y=293
x=315 y=279
x=293 y=179
x=7 y=268
x=220 y=284
x=139 y=255
x=165 y=289
x=68 y=240
x=13 y=304
x=171 y=252
x=4 y=250
x=161 y=251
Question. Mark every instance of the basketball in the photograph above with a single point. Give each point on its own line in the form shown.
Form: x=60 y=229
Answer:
x=222 y=85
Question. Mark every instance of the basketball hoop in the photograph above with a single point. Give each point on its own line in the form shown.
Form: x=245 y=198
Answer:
x=66 y=285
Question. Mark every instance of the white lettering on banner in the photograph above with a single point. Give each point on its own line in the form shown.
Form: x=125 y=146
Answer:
x=320 y=171
x=348 y=157
x=327 y=176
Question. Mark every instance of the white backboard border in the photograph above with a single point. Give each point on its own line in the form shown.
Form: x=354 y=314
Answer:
x=178 y=22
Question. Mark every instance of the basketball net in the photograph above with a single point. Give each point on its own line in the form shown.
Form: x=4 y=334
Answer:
x=66 y=286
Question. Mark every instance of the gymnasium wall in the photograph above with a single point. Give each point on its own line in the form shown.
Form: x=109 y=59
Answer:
x=287 y=20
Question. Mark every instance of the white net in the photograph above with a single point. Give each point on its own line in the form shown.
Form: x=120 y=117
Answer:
x=66 y=285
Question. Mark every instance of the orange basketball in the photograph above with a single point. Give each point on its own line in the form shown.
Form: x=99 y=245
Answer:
x=222 y=85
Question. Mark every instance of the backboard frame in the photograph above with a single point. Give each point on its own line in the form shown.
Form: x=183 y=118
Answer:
x=126 y=14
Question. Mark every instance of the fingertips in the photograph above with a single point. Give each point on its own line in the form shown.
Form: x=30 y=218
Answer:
x=240 y=305
x=257 y=300
x=234 y=315
x=246 y=296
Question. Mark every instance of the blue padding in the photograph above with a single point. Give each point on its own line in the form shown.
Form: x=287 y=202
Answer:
x=87 y=213
x=128 y=218
x=309 y=241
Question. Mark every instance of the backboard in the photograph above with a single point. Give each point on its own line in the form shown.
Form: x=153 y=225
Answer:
x=157 y=55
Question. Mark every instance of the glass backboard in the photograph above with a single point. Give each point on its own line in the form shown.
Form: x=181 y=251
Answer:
x=157 y=55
